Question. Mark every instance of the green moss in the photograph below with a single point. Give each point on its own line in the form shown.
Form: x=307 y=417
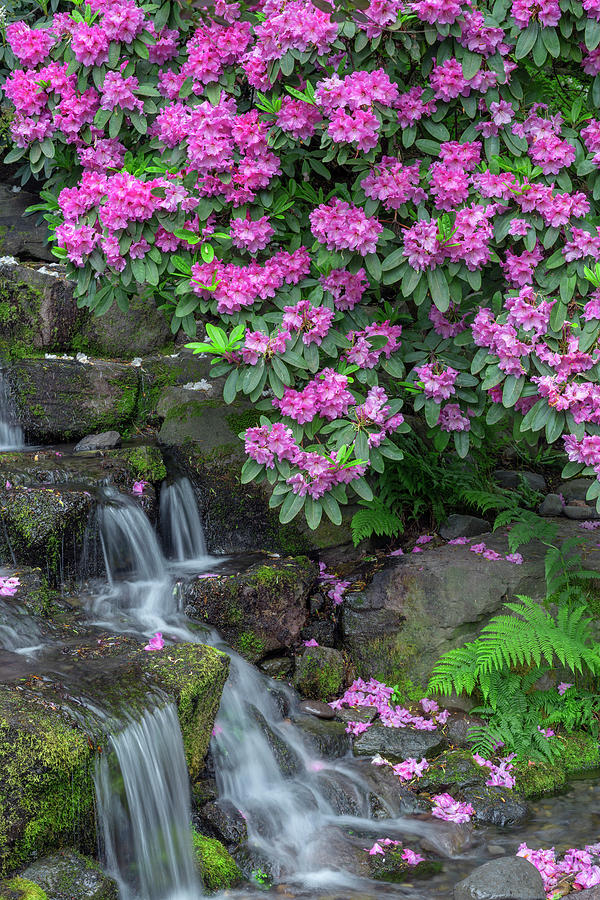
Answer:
x=239 y=422
x=46 y=785
x=320 y=674
x=250 y=645
x=195 y=675
x=217 y=867
x=21 y=889
x=147 y=463
x=580 y=752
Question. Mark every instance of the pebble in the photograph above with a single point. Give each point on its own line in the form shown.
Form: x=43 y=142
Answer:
x=317 y=708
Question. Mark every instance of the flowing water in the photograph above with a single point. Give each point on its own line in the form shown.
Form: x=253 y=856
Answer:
x=180 y=525
x=11 y=433
x=144 y=811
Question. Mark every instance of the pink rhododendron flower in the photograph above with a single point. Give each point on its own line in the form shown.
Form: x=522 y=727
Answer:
x=9 y=586
x=563 y=687
x=138 y=487
x=156 y=642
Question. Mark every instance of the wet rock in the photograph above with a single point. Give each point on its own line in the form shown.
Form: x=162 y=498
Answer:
x=18 y=888
x=70 y=876
x=458 y=727
x=64 y=400
x=496 y=806
x=140 y=330
x=388 y=797
x=591 y=894
x=223 y=820
x=334 y=849
x=551 y=505
x=317 y=708
x=278 y=667
x=397 y=744
x=463 y=526
x=502 y=879
x=357 y=713
x=216 y=866
x=39 y=311
x=260 y=610
x=45 y=526
x=420 y=606
x=452 y=771
x=252 y=860
x=575 y=488
x=320 y=673
x=393 y=868
x=448 y=839
x=21 y=235
x=107 y=440
x=287 y=759
x=323 y=631
x=511 y=478
x=327 y=738
x=574 y=510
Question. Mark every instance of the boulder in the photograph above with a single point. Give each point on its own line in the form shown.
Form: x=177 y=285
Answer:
x=216 y=866
x=591 y=894
x=221 y=819
x=463 y=526
x=48 y=750
x=397 y=744
x=496 y=806
x=259 y=610
x=511 y=478
x=47 y=526
x=21 y=889
x=551 y=505
x=37 y=309
x=420 y=606
x=22 y=235
x=69 y=875
x=575 y=488
x=63 y=400
x=107 y=440
x=512 y=878
x=579 y=510
x=140 y=330
x=320 y=673
x=326 y=738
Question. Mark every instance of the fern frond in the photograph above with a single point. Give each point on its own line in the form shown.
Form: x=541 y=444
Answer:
x=375 y=519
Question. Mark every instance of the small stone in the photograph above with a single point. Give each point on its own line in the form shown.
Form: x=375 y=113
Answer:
x=317 y=708
x=449 y=839
x=512 y=878
x=551 y=505
x=107 y=440
x=463 y=526
x=573 y=511
x=68 y=874
x=496 y=850
x=511 y=478
x=327 y=738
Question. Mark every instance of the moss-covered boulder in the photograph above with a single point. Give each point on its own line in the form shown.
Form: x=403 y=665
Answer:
x=259 y=610
x=320 y=673
x=63 y=400
x=217 y=867
x=37 y=309
x=45 y=527
x=21 y=889
x=140 y=330
x=48 y=750
x=21 y=235
x=69 y=875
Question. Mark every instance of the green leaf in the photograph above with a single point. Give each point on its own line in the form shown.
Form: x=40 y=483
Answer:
x=471 y=63
x=230 y=387
x=432 y=412
x=410 y=281
x=332 y=508
x=373 y=265
x=393 y=259
x=438 y=287
x=461 y=443
x=115 y=122
x=551 y=41
x=592 y=34
x=526 y=40
x=250 y=470
x=512 y=390
x=252 y=376
x=292 y=505
x=362 y=488
x=313 y=512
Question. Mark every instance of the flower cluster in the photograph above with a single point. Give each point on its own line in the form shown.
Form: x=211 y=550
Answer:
x=582 y=864
x=450 y=810
x=378 y=696
x=9 y=585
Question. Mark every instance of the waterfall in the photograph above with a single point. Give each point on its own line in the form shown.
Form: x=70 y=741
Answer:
x=11 y=433
x=143 y=808
x=19 y=632
x=138 y=580
x=180 y=524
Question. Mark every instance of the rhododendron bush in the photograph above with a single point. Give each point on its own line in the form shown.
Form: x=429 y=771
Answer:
x=365 y=204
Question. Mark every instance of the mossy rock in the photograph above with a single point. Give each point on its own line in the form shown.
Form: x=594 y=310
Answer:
x=21 y=889
x=64 y=400
x=48 y=752
x=579 y=753
x=71 y=876
x=217 y=867
x=393 y=868
x=142 y=329
x=146 y=463
x=44 y=527
x=320 y=673
x=259 y=610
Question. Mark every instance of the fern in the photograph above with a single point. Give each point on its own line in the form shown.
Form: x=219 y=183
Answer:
x=375 y=519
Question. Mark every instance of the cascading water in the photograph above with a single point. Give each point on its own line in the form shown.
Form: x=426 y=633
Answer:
x=11 y=433
x=180 y=525
x=143 y=806
x=18 y=632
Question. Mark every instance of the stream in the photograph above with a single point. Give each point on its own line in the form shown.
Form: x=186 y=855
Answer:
x=309 y=818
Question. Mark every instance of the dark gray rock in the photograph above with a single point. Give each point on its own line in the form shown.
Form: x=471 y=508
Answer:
x=580 y=512
x=496 y=806
x=458 y=726
x=502 y=879
x=141 y=330
x=551 y=505
x=287 y=759
x=39 y=310
x=222 y=820
x=575 y=488
x=278 y=667
x=70 y=876
x=107 y=440
x=21 y=236
x=327 y=738
x=317 y=708
x=463 y=526
x=320 y=673
x=448 y=839
x=511 y=478
x=357 y=713
x=397 y=744
x=591 y=894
